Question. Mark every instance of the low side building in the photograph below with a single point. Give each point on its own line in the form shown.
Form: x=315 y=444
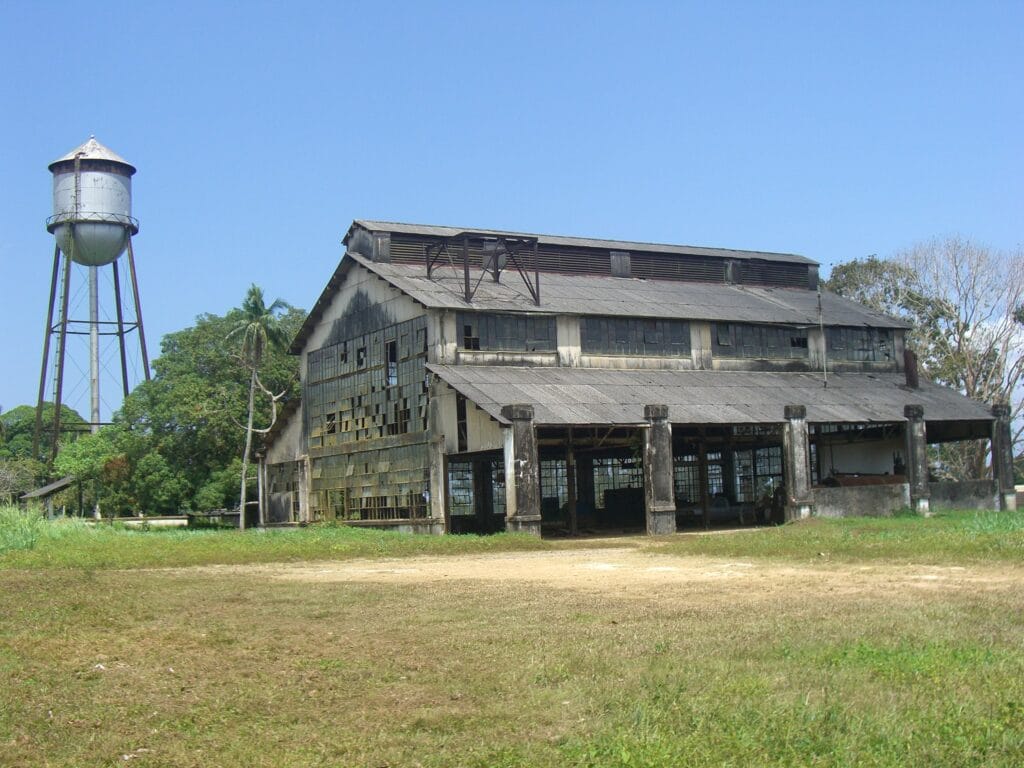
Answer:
x=475 y=381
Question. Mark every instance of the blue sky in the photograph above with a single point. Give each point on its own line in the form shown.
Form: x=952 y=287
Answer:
x=260 y=130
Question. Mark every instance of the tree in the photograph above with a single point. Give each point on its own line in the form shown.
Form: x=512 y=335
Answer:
x=259 y=328
x=16 y=477
x=966 y=304
x=194 y=410
x=176 y=437
x=17 y=427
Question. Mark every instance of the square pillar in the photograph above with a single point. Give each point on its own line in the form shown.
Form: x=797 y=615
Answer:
x=917 y=459
x=261 y=477
x=659 y=491
x=305 y=484
x=796 y=463
x=1002 y=457
x=522 y=471
x=437 y=470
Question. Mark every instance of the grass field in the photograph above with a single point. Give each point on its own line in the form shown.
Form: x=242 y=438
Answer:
x=854 y=643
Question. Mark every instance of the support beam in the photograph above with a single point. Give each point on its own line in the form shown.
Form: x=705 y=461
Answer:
x=138 y=310
x=119 y=310
x=522 y=477
x=796 y=463
x=94 y=350
x=46 y=354
x=1002 y=457
x=659 y=492
x=917 y=459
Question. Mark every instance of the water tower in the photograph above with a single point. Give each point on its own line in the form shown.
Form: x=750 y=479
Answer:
x=93 y=225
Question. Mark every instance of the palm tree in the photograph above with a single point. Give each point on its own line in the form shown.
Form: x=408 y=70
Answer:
x=259 y=326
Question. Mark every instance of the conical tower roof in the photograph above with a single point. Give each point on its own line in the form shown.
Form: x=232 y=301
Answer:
x=92 y=150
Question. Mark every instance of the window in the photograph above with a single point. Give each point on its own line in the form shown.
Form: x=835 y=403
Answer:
x=615 y=473
x=634 y=336
x=391 y=350
x=460 y=489
x=506 y=333
x=554 y=485
x=686 y=477
x=763 y=342
x=724 y=334
x=757 y=473
x=860 y=344
x=461 y=422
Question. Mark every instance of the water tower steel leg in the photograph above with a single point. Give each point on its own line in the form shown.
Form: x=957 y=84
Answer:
x=61 y=344
x=138 y=310
x=120 y=329
x=46 y=353
x=94 y=350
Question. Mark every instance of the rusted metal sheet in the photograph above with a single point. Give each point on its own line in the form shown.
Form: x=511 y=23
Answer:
x=592 y=396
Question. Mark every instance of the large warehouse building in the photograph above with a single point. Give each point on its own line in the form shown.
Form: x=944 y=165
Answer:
x=475 y=380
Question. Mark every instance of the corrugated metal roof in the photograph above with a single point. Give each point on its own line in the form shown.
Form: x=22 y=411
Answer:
x=49 y=489
x=605 y=295
x=428 y=230
x=600 y=396
x=92 y=150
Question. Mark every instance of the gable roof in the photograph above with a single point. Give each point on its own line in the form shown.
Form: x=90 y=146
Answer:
x=583 y=294
x=625 y=296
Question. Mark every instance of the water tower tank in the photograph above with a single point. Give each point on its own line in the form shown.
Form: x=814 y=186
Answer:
x=92 y=204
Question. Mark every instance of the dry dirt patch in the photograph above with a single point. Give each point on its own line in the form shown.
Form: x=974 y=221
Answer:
x=637 y=569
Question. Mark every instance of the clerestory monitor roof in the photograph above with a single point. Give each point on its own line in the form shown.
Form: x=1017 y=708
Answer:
x=441 y=232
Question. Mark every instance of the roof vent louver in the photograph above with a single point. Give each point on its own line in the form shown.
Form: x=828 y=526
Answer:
x=620 y=264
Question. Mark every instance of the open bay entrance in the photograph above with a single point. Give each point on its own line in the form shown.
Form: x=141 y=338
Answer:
x=476 y=493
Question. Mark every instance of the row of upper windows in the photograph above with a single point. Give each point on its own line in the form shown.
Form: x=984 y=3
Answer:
x=666 y=338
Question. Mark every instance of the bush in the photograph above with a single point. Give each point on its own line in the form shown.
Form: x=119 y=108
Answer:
x=20 y=529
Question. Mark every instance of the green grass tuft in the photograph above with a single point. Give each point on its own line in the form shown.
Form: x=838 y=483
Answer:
x=28 y=540
x=947 y=537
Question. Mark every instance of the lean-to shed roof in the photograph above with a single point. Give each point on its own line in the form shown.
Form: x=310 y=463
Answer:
x=594 y=396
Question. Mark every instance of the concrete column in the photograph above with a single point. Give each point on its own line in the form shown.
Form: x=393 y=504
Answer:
x=917 y=459
x=261 y=476
x=522 y=478
x=796 y=463
x=659 y=491
x=437 y=481
x=305 y=488
x=1002 y=457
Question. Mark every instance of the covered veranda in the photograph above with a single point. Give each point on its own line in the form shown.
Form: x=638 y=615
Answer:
x=593 y=450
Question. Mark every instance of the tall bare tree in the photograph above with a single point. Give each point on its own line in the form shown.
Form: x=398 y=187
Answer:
x=966 y=303
x=972 y=300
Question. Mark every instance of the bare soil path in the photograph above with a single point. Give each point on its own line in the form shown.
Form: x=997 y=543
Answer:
x=638 y=568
